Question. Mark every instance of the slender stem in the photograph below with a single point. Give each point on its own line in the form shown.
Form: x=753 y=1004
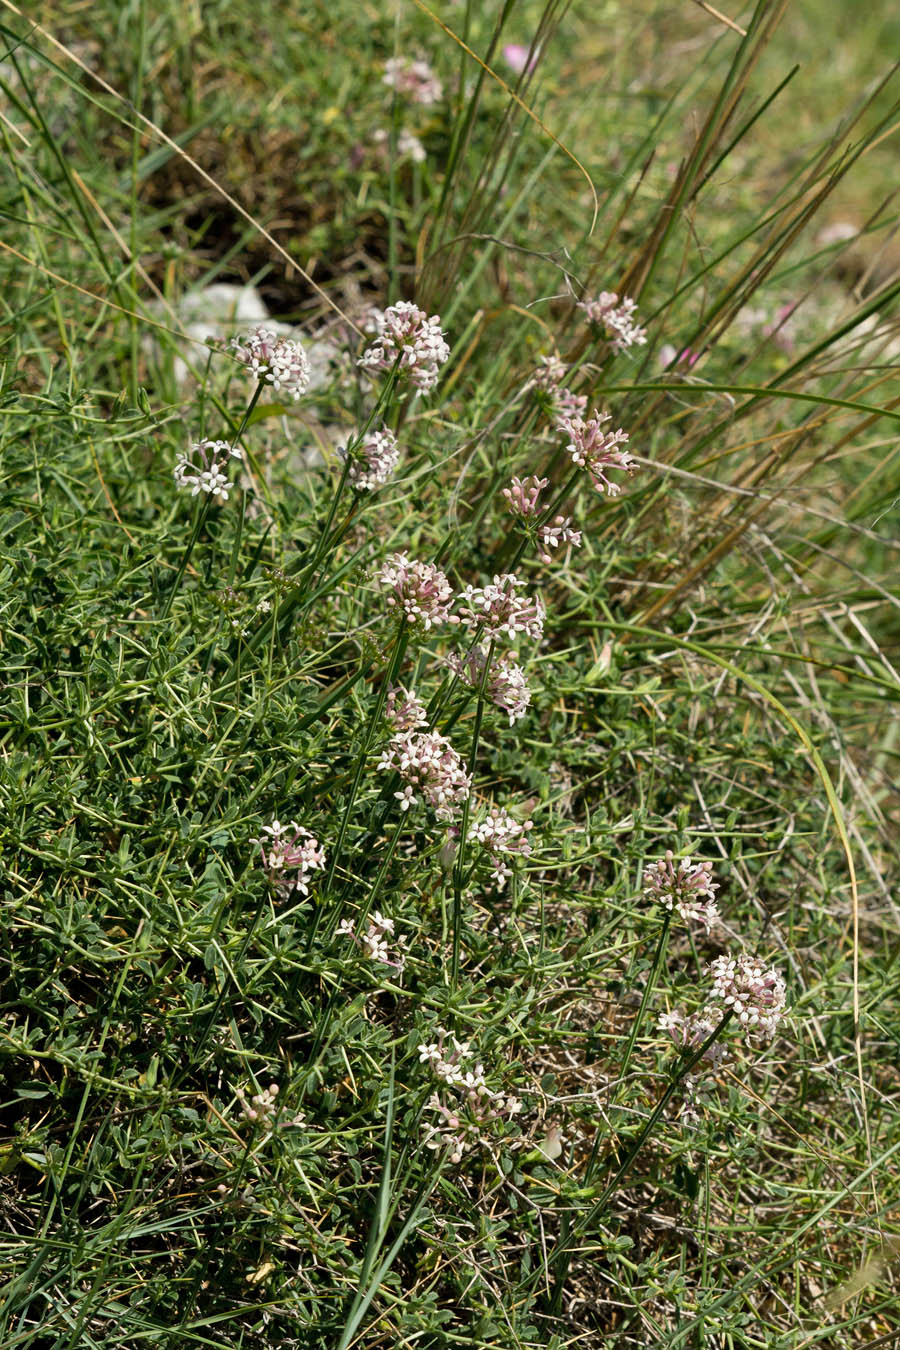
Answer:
x=458 y=879
x=186 y=556
x=635 y=1027
x=560 y=1256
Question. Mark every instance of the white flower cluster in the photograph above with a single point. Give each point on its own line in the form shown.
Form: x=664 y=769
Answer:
x=594 y=449
x=754 y=992
x=408 y=144
x=404 y=710
x=506 y=686
x=429 y=766
x=689 y=1032
x=373 y=461
x=373 y=942
x=550 y=373
x=503 y=837
x=406 y=337
x=617 y=319
x=523 y=495
x=557 y=533
x=683 y=885
x=460 y=1126
x=290 y=848
x=259 y=1108
x=276 y=360
x=414 y=79
x=420 y=590
x=501 y=611
x=203 y=468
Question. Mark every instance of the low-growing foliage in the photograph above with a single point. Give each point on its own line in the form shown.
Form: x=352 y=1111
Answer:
x=449 y=702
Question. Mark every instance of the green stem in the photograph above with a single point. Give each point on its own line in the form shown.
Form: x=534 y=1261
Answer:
x=560 y=1256
x=458 y=878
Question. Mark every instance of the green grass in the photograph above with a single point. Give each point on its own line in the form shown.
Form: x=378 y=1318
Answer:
x=717 y=676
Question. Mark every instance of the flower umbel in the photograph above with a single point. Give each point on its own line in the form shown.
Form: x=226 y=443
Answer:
x=420 y=590
x=557 y=534
x=373 y=461
x=202 y=469
x=596 y=450
x=404 y=332
x=373 y=942
x=275 y=360
x=460 y=1126
x=502 y=836
x=501 y=611
x=754 y=992
x=506 y=686
x=290 y=848
x=404 y=710
x=617 y=319
x=523 y=494
x=429 y=766
x=683 y=885
x=415 y=80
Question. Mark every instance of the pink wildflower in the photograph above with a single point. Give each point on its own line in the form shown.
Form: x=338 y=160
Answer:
x=558 y=533
x=594 y=449
x=430 y=766
x=279 y=361
x=415 y=80
x=290 y=848
x=567 y=405
x=507 y=686
x=755 y=994
x=404 y=710
x=523 y=493
x=500 y=611
x=373 y=941
x=420 y=590
x=404 y=332
x=550 y=373
x=502 y=836
x=373 y=461
x=685 y=886
x=202 y=469
x=616 y=319
x=690 y=1032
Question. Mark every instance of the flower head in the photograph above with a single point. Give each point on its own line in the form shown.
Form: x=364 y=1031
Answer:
x=414 y=79
x=754 y=992
x=373 y=461
x=373 y=940
x=203 y=468
x=558 y=533
x=683 y=885
x=502 y=836
x=429 y=766
x=404 y=710
x=276 y=360
x=689 y=1032
x=616 y=319
x=550 y=373
x=506 y=686
x=405 y=334
x=419 y=590
x=290 y=848
x=501 y=611
x=523 y=494
x=596 y=450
